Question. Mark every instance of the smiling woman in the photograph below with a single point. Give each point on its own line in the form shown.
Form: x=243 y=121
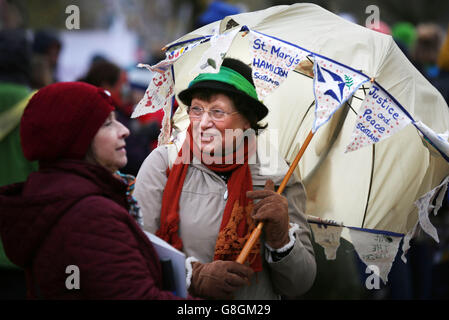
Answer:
x=210 y=118
x=75 y=211
x=206 y=205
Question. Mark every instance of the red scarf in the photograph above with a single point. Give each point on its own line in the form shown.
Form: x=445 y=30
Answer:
x=236 y=224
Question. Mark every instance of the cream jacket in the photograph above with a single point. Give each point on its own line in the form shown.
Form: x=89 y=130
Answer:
x=202 y=203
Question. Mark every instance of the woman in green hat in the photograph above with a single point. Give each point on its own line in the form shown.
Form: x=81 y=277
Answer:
x=203 y=202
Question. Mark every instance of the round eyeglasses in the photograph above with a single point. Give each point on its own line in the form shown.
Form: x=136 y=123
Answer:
x=214 y=114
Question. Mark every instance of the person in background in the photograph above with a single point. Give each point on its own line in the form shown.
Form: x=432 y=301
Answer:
x=404 y=34
x=440 y=259
x=76 y=212
x=15 y=55
x=424 y=55
x=46 y=50
x=382 y=27
x=441 y=81
x=216 y=10
x=108 y=75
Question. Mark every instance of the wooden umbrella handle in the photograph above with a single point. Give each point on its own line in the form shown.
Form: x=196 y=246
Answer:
x=258 y=230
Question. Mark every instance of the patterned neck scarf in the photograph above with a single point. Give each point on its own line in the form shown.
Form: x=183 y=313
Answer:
x=134 y=209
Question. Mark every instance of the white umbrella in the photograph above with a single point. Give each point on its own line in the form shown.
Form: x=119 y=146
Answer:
x=374 y=187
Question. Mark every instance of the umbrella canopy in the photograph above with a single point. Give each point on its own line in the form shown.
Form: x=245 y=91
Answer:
x=378 y=158
x=373 y=187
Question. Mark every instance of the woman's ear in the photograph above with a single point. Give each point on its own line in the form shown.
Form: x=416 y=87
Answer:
x=90 y=157
x=246 y=125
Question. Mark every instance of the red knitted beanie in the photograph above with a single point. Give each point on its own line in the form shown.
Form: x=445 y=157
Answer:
x=61 y=120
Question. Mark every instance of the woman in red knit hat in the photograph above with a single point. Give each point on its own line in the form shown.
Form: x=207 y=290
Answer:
x=73 y=226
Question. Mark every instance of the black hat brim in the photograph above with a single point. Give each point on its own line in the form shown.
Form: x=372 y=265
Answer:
x=253 y=106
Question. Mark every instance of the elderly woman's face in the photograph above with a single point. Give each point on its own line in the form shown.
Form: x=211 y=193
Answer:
x=108 y=145
x=212 y=135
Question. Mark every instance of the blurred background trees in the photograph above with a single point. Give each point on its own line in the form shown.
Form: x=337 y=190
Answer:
x=165 y=20
x=151 y=24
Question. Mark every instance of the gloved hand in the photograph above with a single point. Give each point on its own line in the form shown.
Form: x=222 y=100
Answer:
x=272 y=209
x=218 y=279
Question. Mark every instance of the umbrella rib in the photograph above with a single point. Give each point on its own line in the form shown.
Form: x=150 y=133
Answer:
x=303 y=74
x=370 y=185
x=359 y=98
x=302 y=120
x=350 y=107
x=362 y=88
x=308 y=109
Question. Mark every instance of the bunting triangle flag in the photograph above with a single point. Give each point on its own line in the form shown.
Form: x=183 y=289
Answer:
x=378 y=118
x=407 y=238
x=212 y=58
x=158 y=94
x=425 y=207
x=164 y=135
x=161 y=86
x=171 y=57
x=328 y=237
x=439 y=140
x=333 y=85
x=376 y=249
x=272 y=60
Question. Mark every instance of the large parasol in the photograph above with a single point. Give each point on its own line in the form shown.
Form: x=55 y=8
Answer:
x=374 y=187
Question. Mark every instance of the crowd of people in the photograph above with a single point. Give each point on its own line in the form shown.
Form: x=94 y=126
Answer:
x=81 y=182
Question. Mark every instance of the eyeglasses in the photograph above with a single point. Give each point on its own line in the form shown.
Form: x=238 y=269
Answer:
x=214 y=114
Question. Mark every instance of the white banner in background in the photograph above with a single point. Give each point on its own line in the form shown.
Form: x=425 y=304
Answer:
x=378 y=118
x=333 y=85
x=158 y=94
x=212 y=58
x=271 y=62
x=376 y=249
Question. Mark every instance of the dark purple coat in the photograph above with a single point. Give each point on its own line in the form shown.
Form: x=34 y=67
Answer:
x=74 y=213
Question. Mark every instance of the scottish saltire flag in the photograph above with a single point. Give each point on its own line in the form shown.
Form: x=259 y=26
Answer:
x=333 y=85
x=379 y=117
x=272 y=60
x=158 y=94
x=212 y=58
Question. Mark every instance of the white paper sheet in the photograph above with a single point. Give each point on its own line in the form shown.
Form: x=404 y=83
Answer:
x=166 y=251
